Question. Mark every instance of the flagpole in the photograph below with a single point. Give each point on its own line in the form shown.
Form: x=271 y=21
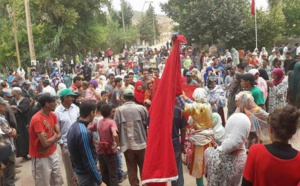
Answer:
x=255 y=27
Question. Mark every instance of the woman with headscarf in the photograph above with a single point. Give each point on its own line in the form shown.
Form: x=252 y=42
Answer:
x=209 y=72
x=201 y=134
x=216 y=97
x=92 y=93
x=225 y=164
x=219 y=131
x=234 y=89
x=139 y=92
x=148 y=95
x=258 y=117
x=277 y=90
x=263 y=52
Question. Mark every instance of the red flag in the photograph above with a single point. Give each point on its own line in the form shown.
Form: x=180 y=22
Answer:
x=159 y=162
x=253 y=11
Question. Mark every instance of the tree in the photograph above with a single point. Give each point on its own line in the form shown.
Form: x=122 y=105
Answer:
x=291 y=9
x=228 y=22
x=127 y=11
x=148 y=25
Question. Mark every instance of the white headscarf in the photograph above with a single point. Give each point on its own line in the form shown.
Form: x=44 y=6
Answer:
x=200 y=95
x=219 y=131
x=237 y=130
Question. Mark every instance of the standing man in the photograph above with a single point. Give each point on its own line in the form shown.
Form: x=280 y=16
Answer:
x=75 y=87
x=110 y=85
x=116 y=96
x=27 y=91
x=6 y=139
x=109 y=53
x=47 y=88
x=87 y=72
x=131 y=123
x=81 y=147
x=127 y=84
x=67 y=113
x=44 y=132
x=189 y=79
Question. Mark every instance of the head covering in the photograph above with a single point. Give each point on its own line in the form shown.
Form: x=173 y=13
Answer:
x=218 y=128
x=2 y=101
x=26 y=82
x=66 y=92
x=253 y=71
x=46 y=98
x=17 y=89
x=280 y=76
x=200 y=95
x=61 y=86
x=128 y=92
x=256 y=114
x=294 y=87
x=94 y=82
x=138 y=94
x=237 y=130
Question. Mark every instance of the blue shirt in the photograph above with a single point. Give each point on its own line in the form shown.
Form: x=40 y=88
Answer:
x=82 y=151
x=179 y=122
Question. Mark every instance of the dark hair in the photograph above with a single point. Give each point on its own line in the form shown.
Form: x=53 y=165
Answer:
x=263 y=73
x=284 y=122
x=3 y=84
x=155 y=69
x=105 y=110
x=118 y=80
x=77 y=78
x=86 y=107
x=110 y=75
x=99 y=104
x=128 y=98
x=266 y=60
x=127 y=76
x=288 y=53
x=241 y=66
x=103 y=92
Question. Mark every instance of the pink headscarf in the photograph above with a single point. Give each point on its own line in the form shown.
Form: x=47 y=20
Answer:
x=280 y=76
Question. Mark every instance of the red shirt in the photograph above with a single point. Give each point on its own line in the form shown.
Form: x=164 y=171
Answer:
x=41 y=123
x=105 y=129
x=263 y=169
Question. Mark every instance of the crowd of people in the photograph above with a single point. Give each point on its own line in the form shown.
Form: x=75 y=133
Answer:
x=95 y=111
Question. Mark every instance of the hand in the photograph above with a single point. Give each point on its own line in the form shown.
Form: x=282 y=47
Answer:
x=114 y=145
x=13 y=133
x=14 y=107
x=184 y=97
x=270 y=83
x=74 y=179
x=102 y=184
x=213 y=101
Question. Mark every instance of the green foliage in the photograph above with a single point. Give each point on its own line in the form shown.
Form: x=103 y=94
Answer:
x=146 y=24
x=227 y=21
x=291 y=11
x=62 y=27
x=128 y=14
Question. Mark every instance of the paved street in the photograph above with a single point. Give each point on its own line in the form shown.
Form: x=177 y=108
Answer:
x=27 y=180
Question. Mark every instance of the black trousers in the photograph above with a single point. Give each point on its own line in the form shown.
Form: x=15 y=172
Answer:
x=109 y=169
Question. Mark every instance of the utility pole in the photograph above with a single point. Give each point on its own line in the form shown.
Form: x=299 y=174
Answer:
x=12 y=14
x=29 y=33
x=123 y=21
x=154 y=32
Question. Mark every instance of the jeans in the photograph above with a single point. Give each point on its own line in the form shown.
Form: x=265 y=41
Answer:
x=120 y=164
x=86 y=180
x=109 y=169
x=9 y=172
x=180 y=181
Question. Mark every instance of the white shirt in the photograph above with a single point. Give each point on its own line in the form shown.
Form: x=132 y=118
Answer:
x=50 y=90
x=66 y=117
x=298 y=50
